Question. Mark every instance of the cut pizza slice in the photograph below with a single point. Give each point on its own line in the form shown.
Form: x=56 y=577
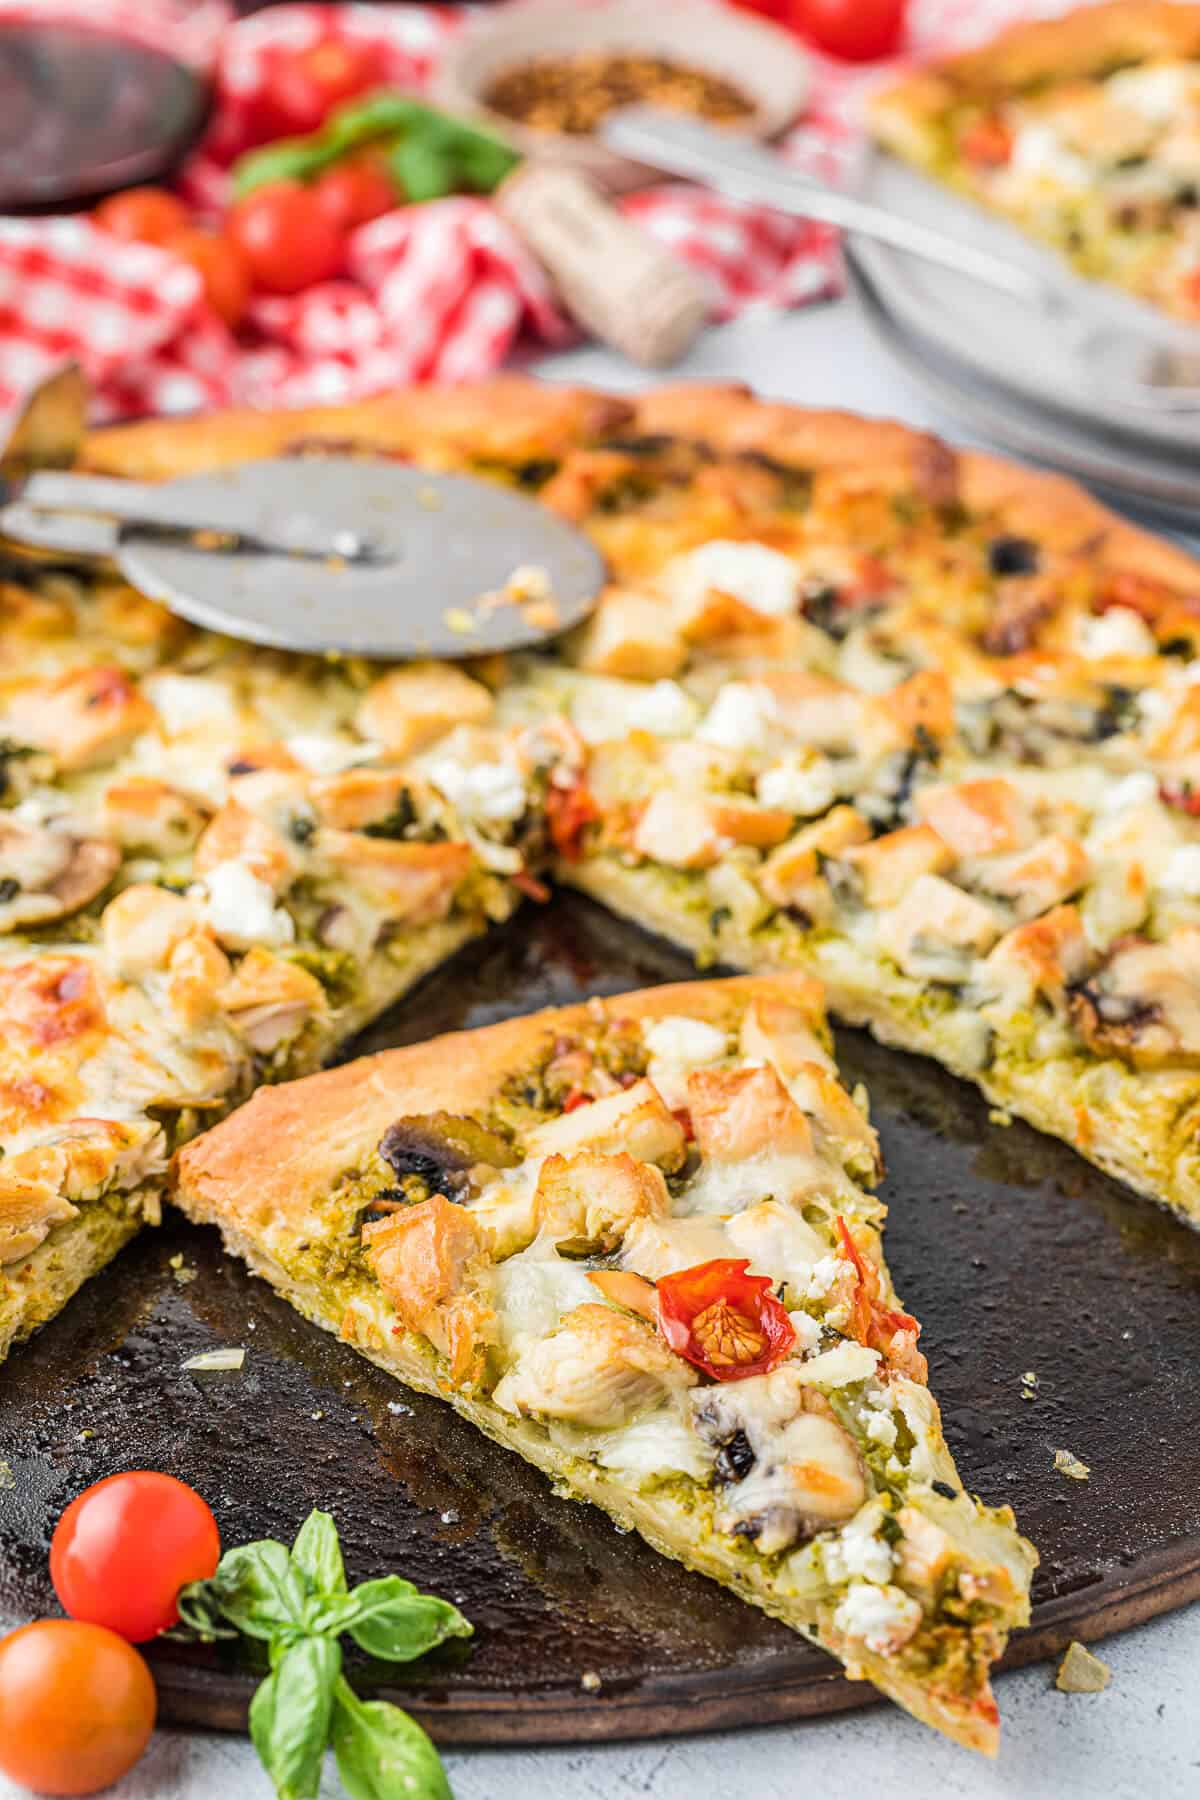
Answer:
x=632 y=1240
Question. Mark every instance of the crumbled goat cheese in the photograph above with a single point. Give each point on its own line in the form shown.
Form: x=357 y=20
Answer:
x=804 y=785
x=1118 y=632
x=1182 y=872
x=324 y=755
x=881 y=1618
x=859 y=1551
x=1138 y=789
x=737 y=719
x=754 y=574
x=490 y=793
x=241 y=909
x=184 y=701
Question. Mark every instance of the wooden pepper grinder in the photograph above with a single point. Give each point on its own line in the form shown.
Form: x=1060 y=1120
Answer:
x=617 y=282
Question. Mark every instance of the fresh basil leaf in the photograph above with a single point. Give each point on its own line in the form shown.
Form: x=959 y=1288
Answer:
x=396 y=1623
x=484 y=160
x=259 y=1591
x=328 y=1614
x=318 y=1554
x=382 y=1754
x=290 y=1716
x=422 y=169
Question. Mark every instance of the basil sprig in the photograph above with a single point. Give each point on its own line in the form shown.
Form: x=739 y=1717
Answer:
x=298 y=1603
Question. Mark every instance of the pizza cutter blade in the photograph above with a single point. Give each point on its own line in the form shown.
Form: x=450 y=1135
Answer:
x=437 y=565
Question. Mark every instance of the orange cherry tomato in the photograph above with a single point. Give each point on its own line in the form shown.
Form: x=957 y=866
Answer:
x=148 y=215
x=988 y=142
x=724 y=1321
x=287 y=238
x=77 y=1707
x=221 y=267
x=855 y=30
x=355 y=191
x=123 y=1549
x=302 y=87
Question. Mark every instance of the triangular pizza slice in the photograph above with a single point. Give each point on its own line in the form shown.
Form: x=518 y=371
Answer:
x=633 y=1240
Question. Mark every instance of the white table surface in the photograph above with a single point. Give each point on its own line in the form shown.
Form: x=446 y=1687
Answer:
x=1137 y=1741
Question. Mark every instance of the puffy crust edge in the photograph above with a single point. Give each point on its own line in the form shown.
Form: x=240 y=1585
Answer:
x=289 y=1145
x=517 y=416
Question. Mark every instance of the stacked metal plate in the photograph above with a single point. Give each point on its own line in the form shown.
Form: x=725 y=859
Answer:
x=1010 y=372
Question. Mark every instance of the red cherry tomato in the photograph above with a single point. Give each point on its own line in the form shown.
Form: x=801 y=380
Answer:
x=724 y=1321
x=770 y=9
x=856 y=30
x=871 y=1322
x=77 y=1707
x=569 y=810
x=987 y=142
x=124 y=1548
x=147 y=215
x=287 y=238
x=221 y=267
x=303 y=86
x=354 y=192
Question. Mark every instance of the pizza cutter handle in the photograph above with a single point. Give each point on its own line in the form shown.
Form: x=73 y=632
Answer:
x=734 y=165
x=144 y=505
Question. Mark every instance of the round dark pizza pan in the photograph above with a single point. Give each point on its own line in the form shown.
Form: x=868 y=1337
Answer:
x=1018 y=1257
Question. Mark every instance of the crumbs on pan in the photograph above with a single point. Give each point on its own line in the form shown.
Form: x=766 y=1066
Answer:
x=7 y=1478
x=1080 y=1672
x=1067 y=1464
x=1029 y=1385
x=999 y=1116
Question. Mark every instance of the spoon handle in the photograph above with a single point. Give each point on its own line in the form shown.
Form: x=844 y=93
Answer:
x=736 y=166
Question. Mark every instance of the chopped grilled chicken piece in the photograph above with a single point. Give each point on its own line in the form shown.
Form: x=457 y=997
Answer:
x=635 y=1120
x=143 y=814
x=791 y=875
x=689 y=831
x=817 y=1091
x=30 y=1203
x=785 y=1033
x=825 y=714
x=235 y=834
x=919 y=711
x=738 y=1112
x=1143 y=1004
x=269 y=1000
x=936 y=930
x=594 y=1198
x=360 y=797
x=887 y=867
x=412 y=706
x=1043 y=959
x=978 y=818
x=83 y=717
x=629 y=634
x=410 y=881
x=600 y=1368
x=48 y=871
x=657 y=1247
x=1034 y=880
x=142 y=926
x=429 y=1260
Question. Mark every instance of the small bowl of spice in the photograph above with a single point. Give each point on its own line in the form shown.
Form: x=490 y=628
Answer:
x=546 y=74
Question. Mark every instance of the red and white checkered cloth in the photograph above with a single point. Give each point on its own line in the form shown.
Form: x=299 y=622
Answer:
x=433 y=292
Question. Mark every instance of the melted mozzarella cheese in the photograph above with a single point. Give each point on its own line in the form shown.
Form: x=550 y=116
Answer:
x=184 y=702
x=658 y=1444
x=738 y=719
x=533 y=1290
x=803 y=784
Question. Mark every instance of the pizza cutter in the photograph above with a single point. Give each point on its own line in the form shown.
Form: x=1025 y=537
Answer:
x=330 y=555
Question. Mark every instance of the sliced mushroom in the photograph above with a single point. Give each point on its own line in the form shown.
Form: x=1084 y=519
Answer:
x=49 y=871
x=444 y=1150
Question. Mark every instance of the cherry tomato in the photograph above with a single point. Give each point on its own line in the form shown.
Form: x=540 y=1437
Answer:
x=1183 y=798
x=355 y=191
x=568 y=811
x=770 y=9
x=77 y=1707
x=303 y=86
x=123 y=1549
x=723 y=1320
x=287 y=238
x=856 y=30
x=871 y=1322
x=987 y=142
x=148 y=215
x=221 y=267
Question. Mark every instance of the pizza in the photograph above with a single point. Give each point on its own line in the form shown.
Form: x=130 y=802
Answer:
x=633 y=1240
x=921 y=723
x=1084 y=130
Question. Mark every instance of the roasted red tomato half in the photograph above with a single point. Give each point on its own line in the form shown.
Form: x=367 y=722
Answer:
x=724 y=1321
x=569 y=810
x=871 y=1322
